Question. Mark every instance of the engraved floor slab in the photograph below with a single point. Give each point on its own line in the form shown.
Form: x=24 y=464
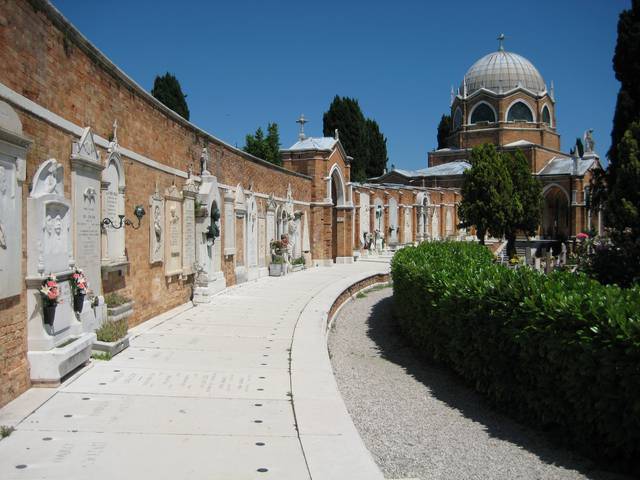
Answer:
x=162 y=415
x=201 y=360
x=206 y=342
x=212 y=384
x=78 y=455
x=239 y=331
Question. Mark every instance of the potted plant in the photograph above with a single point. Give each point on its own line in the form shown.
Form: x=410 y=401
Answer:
x=297 y=264
x=118 y=306
x=278 y=264
x=111 y=337
x=50 y=298
x=80 y=287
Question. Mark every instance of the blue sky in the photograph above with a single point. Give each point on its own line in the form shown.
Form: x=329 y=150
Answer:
x=245 y=63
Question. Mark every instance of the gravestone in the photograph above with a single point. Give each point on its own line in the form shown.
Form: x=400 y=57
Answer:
x=251 y=240
x=50 y=251
x=271 y=222
x=189 y=193
x=113 y=201
x=229 y=224
x=435 y=224
x=448 y=226
x=393 y=221
x=156 y=228
x=210 y=278
x=86 y=169
x=364 y=216
x=408 y=225
x=262 y=241
x=13 y=151
x=306 y=246
x=173 y=228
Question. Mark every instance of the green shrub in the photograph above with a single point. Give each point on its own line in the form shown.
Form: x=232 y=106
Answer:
x=561 y=351
x=298 y=261
x=115 y=299
x=112 y=330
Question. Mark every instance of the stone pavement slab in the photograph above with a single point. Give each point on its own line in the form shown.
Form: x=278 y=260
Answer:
x=205 y=393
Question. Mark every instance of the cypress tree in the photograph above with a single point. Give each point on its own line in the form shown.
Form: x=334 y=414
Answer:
x=626 y=64
x=444 y=130
x=376 y=160
x=345 y=115
x=166 y=88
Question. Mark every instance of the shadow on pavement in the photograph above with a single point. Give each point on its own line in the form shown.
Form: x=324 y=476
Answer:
x=447 y=387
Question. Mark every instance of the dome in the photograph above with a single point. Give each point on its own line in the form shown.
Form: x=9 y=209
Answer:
x=502 y=71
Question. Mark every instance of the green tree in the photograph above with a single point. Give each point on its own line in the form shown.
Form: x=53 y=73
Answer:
x=487 y=193
x=623 y=206
x=376 y=159
x=526 y=202
x=444 y=130
x=267 y=148
x=166 y=88
x=626 y=64
x=345 y=115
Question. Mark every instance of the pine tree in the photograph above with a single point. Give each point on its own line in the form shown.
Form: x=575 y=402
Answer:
x=345 y=115
x=166 y=88
x=376 y=159
x=266 y=148
x=487 y=193
x=444 y=130
x=272 y=141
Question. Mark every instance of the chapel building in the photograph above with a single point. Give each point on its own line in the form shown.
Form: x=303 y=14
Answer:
x=503 y=100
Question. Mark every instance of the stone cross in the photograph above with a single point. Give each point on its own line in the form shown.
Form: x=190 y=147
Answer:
x=301 y=121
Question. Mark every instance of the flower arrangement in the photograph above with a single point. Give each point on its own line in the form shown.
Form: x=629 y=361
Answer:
x=79 y=282
x=50 y=291
x=582 y=236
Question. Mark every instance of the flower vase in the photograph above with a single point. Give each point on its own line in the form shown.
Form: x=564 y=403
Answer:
x=49 y=314
x=78 y=302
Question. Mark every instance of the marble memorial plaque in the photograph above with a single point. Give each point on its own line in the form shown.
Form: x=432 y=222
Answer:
x=188 y=236
x=173 y=229
x=262 y=242
x=85 y=185
x=10 y=229
x=156 y=228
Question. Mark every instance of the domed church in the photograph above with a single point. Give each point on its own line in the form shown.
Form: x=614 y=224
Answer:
x=504 y=100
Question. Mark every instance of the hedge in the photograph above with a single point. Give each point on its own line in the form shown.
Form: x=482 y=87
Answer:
x=559 y=351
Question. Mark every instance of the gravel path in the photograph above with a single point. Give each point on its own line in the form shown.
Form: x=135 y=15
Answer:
x=419 y=421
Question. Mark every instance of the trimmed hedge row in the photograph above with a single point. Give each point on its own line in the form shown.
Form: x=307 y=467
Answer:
x=561 y=351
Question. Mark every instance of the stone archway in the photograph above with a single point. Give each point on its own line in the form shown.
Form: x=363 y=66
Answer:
x=337 y=189
x=555 y=217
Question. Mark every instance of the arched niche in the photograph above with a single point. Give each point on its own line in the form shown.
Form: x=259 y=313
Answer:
x=336 y=186
x=435 y=224
x=113 y=189
x=555 y=214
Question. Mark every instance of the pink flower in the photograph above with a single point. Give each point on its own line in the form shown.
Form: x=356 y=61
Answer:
x=582 y=236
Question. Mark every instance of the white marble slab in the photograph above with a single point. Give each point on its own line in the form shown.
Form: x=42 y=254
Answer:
x=205 y=384
x=95 y=455
x=162 y=415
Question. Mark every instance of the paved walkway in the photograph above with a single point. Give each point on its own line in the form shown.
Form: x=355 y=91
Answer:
x=204 y=393
x=421 y=421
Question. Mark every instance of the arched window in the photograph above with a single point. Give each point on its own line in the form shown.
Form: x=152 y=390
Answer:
x=457 y=119
x=519 y=112
x=483 y=113
x=546 y=116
